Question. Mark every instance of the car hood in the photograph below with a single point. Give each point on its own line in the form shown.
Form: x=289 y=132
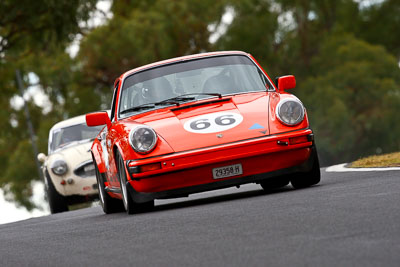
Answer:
x=73 y=155
x=211 y=122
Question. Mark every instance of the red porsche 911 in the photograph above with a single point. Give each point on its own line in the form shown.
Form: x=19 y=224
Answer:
x=199 y=123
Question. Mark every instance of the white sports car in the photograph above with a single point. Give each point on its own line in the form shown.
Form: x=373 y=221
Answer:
x=68 y=169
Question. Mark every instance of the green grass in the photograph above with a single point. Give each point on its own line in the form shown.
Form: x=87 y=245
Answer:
x=386 y=160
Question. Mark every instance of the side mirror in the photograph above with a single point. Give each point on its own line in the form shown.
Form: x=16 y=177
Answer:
x=285 y=82
x=98 y=118
x=41 y=157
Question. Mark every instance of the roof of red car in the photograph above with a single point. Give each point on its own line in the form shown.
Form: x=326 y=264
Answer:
x=163 y=62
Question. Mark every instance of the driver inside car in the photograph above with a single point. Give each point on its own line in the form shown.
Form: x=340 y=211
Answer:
x=156 y=90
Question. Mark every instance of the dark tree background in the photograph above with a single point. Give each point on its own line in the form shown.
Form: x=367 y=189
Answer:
x=345 y=56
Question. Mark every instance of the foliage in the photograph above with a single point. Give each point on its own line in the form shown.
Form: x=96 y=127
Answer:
x=353 y=99
x=33 y=25
x=33 y=38
x=260 y=40
x=21 y=176
x=379 y=24
x=142 y=32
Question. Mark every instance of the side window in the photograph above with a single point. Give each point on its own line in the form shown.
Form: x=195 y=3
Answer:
x=112 y=117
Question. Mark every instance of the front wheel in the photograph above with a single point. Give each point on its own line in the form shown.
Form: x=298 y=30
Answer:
x=274 y=183
x=109 y=204
x=57 y=202
x=306 y=179
x=131 y=207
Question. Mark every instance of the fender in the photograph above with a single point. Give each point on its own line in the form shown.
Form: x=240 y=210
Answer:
x=97 y=152
x=120 y=147
x=122 y=144
x=276 y=126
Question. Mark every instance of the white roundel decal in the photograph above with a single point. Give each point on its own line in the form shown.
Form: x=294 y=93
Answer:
x=213 y=122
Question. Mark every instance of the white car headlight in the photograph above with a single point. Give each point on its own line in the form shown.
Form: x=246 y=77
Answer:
x=59 y=167
x=290 y=111
x=142 y=139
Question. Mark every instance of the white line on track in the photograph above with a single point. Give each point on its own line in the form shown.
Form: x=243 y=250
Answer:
x=342 y=168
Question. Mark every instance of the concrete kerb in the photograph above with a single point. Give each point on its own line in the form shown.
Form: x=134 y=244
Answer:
x=342 y=168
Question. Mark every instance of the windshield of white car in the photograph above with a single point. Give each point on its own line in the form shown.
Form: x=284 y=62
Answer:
x=71 y=135
x=202 y=78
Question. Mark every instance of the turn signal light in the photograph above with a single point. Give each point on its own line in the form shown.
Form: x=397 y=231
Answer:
x=150 y=167
x=143 y=168
x=298 y=140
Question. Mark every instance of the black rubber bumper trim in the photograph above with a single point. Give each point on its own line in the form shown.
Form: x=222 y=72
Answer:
x=139 y=197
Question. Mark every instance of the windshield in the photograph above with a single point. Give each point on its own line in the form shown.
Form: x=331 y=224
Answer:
x=61 y=137
x=223 y=74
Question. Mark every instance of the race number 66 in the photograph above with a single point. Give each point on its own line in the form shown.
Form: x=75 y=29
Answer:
x=213 y=122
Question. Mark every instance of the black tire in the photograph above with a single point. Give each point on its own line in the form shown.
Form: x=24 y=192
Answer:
x=274 y=183
x=306 y=179
x=131 y=207
x=57 y=202
x=109 y=204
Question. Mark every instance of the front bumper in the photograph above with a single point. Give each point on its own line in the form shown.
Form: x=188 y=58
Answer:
x=190 y=172
x=70 y=185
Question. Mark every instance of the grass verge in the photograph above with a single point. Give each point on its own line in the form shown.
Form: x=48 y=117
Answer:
x=386 y=160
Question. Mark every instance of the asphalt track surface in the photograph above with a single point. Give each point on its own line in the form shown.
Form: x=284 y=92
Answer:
x=350 y=219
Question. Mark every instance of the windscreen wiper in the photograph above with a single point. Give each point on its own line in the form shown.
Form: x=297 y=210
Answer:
x=149 y=106
x=137 y=108
x=185 y=97
x=181 y=98
x=189 y=94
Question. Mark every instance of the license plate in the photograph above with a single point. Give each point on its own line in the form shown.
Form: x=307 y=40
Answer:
x=227 y=171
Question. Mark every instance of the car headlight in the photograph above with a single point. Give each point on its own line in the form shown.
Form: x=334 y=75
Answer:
x=59 y=167
x=142 y=139
x=290 y=111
